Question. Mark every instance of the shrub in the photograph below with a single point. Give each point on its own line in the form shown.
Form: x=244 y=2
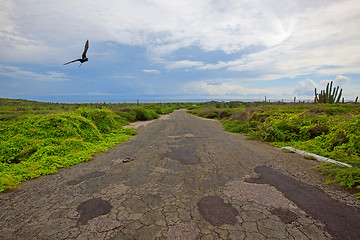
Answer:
x=235 y=126
x=143 y=114
x=103 y=119
x=208 y=113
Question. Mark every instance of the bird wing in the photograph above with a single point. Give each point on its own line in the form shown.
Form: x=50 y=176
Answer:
x=72 y=61
x=85 y=49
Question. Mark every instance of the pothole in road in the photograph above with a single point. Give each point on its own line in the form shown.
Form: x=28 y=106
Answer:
x=85 y=177
x=93 y=208
x=185 y=155
x=216 y=212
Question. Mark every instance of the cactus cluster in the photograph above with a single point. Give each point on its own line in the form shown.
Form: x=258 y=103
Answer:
x=329 y=95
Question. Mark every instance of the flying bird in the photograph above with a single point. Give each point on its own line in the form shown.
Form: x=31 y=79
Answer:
x=84 y=58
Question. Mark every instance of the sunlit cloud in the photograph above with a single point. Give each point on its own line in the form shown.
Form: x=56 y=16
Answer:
x=305 y=88
x=229 y=87
x=153 y=71
x=183 y=64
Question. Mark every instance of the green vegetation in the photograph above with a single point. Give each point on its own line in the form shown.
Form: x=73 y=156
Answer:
x=38 y=138
x=329 y=130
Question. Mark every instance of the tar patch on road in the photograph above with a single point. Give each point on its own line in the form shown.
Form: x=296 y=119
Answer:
x=185 y=155
x=85 y=177
x=93 y=208
x=341 y=221
x=216 y=212
x=285 y=215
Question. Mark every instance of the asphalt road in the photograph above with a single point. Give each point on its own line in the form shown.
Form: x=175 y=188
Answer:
x=183 y=178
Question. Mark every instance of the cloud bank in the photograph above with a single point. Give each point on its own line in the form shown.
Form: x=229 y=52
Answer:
x=257 y=40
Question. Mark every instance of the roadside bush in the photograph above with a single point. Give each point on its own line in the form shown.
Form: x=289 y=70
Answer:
x=126 y=114
x=225 y=113
x=156 y=108
x=103 y=119
x=317 y=130
x=143 y=114
x=240 y=116
x=133 y=114
x=235 y=126
x=210 y=112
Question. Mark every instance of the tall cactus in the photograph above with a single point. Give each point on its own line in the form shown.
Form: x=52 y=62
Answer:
x=329 y=95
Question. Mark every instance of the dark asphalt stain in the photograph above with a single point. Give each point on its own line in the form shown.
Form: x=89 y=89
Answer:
x=85 y=177
x=216 y=212
x=93 y=208
x=285 y=215
x=185 y=154
x=342 y=221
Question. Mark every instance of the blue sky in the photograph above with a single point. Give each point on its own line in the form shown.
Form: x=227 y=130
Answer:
x=160 y=50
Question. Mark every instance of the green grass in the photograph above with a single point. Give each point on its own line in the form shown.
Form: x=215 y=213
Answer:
x=329 y=130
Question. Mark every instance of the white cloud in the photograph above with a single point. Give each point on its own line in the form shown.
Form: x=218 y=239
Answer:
x=99 y=94
x=183 y=64
x=126 y=76
x=18 y=73
x=305 y=88
x=340 y=80
x=154 y=71
x=300 y=38
x=229 y=87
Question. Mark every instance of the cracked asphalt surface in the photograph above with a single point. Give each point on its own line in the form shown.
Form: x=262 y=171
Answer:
x=188 y=179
